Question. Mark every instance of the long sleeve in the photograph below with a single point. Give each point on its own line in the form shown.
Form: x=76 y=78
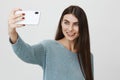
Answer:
x=31 y=54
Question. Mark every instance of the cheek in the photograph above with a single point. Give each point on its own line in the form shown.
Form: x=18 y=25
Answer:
x=64 y=28
x=76 y=29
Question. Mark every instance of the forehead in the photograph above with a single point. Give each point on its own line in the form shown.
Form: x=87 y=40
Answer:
x=70 y=18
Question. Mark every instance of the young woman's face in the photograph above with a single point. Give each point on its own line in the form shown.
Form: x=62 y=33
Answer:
x=70 y=27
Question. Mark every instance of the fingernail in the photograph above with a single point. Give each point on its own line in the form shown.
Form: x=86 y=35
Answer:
x=23 y=18
x=23 y=24
x=23 y=13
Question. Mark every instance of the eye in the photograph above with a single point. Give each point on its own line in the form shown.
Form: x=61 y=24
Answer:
x=76 y=24
x=66 y=22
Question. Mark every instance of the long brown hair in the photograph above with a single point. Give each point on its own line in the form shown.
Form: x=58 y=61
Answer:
x=82 y=43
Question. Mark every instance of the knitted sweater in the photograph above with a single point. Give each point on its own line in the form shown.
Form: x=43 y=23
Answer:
x=57 y=62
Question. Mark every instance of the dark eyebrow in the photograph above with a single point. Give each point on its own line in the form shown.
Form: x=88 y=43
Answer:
x=73 y=22
x=68 y=21
x=76 y=22
x=65 y=20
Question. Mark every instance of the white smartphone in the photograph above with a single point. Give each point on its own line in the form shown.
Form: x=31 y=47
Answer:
x=31 y=17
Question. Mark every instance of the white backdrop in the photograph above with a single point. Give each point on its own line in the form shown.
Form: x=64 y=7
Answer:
x=103 y=18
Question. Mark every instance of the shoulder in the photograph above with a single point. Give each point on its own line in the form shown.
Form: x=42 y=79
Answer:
x=48 y=42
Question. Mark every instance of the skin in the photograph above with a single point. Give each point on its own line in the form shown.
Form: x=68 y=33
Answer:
x=70 y=29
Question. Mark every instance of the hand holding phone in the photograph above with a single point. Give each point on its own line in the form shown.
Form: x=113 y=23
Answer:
x=31 y=17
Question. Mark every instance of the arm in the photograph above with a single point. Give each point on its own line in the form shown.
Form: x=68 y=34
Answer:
x=31 y=54
x=13 y=18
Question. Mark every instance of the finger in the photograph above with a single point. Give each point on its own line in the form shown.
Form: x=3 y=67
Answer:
x=18 y=19
x=12 y=14
x=18 y=25
x=14 y=10
x=18 y=15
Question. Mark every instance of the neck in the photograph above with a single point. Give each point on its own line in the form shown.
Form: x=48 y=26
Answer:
x=68 y=44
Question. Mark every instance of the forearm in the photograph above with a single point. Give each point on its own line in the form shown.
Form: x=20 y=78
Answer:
x=13 y=36
x=23 y=50
x=34 y=54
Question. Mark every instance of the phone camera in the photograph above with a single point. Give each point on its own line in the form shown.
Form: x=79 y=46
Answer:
x=36 y=12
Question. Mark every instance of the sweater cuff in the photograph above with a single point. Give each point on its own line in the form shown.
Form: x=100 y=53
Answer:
x=17 y=44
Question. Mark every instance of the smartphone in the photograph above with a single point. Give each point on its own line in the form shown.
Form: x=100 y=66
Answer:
x=31 y=17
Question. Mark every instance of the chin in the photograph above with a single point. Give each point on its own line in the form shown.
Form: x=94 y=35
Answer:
x=71 y=38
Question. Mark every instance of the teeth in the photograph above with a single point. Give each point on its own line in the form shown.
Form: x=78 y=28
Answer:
x=70 y=34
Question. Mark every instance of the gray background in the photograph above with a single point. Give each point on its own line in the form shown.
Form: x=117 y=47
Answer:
x=103 y=17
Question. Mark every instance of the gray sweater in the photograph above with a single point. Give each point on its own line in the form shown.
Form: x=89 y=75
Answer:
x=57 y=62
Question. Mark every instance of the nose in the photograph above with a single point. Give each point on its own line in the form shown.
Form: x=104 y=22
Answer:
x=70 y=28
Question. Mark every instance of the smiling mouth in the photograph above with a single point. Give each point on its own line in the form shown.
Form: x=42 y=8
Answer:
x=70 y=35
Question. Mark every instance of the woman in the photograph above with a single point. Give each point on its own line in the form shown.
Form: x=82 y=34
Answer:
x=68 y=57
